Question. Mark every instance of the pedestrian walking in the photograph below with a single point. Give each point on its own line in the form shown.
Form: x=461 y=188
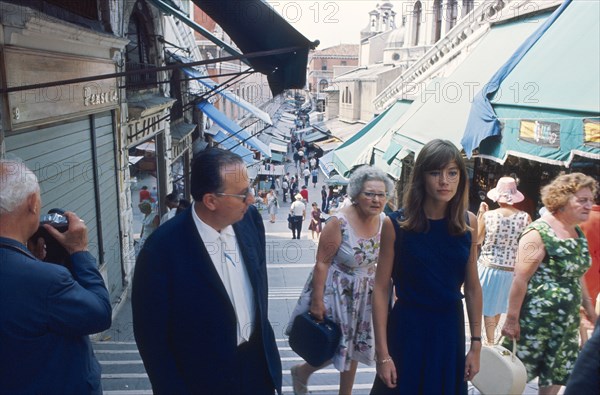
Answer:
x=172 y=202
x=304 y=193
x=199 y=296
x=285 y=186
x=429 y=250
x=315 y=176
x=293 y=188
x=548 y=290
x=150 y=222
x=306 y=173
x=324 y=199
x=297 y=215
x=341 y=283
x=498 y=234
x=272 y=205
x=47 y=310
x=315 y=221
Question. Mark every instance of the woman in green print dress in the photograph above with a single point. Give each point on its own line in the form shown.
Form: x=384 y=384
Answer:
x=544 y=301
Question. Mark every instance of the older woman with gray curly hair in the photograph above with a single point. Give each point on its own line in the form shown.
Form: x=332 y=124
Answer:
x=341 y=283
x=547 y=290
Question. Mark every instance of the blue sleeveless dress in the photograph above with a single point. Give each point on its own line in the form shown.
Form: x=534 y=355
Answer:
x=426 y=327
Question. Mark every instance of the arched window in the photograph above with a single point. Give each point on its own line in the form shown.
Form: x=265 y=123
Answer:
x=323 y=85
x=348 y=96
x=451 y=14
x=437 y=15
x=138 y=54
x=417 y=13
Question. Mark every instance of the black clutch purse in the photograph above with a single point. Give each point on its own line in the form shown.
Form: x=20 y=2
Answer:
x=314 y=341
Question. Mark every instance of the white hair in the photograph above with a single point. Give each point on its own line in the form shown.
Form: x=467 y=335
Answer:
x=17 y=182
x=368 y=173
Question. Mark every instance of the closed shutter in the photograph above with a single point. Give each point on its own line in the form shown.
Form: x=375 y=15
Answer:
x=62 y=158
x=108 y=202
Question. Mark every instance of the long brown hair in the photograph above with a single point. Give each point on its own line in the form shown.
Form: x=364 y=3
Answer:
x=435 y=155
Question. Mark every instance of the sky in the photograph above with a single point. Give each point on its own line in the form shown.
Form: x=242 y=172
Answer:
x=330 y=22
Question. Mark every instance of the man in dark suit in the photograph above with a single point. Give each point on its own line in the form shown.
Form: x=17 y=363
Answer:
x=199 y=295
x=46 y=311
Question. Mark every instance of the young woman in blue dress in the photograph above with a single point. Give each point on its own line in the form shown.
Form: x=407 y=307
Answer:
x=429 y=252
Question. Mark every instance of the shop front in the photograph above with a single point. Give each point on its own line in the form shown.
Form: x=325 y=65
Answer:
x=66 y=134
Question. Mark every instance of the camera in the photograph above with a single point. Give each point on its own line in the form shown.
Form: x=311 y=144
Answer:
x=56 y=220
x=55 y=252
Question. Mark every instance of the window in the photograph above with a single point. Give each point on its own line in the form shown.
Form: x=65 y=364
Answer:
x=467 y=7
x=138 y=51
x=323 y=85
x=416 y=22
x=343 y=63
x=437 y=13
x=395 y=57
x=324 y=65
x=451 y=14
x=346 y=96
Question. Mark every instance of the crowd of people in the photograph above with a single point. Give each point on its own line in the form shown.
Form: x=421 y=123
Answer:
x=200 y=294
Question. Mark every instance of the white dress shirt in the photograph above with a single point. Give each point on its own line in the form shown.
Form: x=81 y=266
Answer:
x=168 y=215
x=226 y=257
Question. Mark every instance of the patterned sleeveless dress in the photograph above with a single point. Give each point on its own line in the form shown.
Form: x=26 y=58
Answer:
x=549 y=317
x=496 y=263
x=347 y=296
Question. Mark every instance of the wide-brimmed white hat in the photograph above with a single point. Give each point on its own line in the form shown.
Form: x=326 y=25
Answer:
x=506 y=191
x=298 y=196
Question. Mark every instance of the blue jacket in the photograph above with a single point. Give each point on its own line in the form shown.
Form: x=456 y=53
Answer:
x=46 y=315
x=183 y=320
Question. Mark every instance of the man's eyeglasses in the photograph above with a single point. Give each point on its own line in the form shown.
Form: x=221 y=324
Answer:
x=373 y=195
x=243 y=197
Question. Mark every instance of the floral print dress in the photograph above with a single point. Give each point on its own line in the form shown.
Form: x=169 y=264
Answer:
x=549 y=316
x=348 y=295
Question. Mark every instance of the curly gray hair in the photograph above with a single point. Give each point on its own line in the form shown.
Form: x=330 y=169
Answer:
x=16 y=183
x=368 y=173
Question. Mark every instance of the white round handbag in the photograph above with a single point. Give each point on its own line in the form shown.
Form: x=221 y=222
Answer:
x=500 y=372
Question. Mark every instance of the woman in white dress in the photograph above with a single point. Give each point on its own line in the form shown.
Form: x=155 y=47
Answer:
x=272 y=205
x=342 y=280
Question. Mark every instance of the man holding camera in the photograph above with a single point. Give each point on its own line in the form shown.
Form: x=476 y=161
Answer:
x=46 y=311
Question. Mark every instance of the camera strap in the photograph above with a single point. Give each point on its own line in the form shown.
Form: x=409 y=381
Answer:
x=18 y=249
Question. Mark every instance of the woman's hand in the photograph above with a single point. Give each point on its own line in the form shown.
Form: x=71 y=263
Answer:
x=472 y=363
x=483 y=208
x=511 y=328
x=386 y=370
x=318 y=310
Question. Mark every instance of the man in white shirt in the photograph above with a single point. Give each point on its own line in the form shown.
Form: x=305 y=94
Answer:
x=172 y=204
x=199 y=295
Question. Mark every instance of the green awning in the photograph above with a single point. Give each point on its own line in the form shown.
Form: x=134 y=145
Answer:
x=550 y=101
x=448 y=102
x=359 y=149
x=277 y=157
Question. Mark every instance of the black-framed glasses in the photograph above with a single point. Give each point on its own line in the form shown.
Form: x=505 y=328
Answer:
x=243 y=197
x=373 y=195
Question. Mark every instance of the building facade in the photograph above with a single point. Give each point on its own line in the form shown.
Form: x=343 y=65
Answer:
x=88 y=139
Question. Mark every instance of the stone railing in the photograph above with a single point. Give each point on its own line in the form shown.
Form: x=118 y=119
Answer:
x=482 y=15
